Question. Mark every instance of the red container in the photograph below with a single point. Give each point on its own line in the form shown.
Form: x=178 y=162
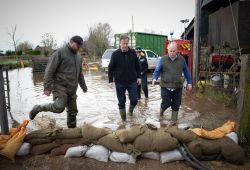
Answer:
x=226 y=60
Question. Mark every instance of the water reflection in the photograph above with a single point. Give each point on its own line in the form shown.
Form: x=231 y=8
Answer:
x=98 y=106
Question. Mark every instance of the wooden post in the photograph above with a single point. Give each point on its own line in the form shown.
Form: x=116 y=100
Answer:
x=196 y=43
x=243 y=104
x=3 y=110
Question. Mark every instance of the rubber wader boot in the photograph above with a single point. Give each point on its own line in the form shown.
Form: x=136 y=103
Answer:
x=130 y=110
x=174 y=117
x=71 y=120
x=123 y=114
x=34 y=111
x=38 y=108
x=161 y=112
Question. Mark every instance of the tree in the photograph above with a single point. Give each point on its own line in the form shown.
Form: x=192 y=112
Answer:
x=24 y=46
x=12 y=34
x=98 y=40
x=49 y=43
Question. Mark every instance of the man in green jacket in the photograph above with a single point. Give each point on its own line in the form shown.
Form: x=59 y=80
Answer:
x=62 y=76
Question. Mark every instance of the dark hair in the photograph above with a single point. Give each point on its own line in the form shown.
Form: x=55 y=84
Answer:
x=123 y=36
x=77 y=39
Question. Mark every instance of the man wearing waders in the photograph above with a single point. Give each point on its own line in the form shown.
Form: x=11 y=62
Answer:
x=124 y=69
x=62 y=76
x=171 y=67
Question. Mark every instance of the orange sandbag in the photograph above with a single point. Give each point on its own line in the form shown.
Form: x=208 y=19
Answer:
x=3 y=140
x=14 y=144
x=14 y=131
x=226 y=128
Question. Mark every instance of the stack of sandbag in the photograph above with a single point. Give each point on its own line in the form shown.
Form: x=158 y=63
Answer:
x=211 y=144
x=56 y=140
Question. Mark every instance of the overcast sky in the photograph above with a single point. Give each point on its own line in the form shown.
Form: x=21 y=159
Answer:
x=65 y=18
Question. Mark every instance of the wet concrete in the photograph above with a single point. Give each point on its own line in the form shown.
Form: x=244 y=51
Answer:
x=99 y=105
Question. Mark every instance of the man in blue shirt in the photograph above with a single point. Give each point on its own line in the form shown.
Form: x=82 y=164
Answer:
x=171 y=67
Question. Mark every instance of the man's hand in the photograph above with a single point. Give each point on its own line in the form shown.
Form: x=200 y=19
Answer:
x=138 y=81
x=189 y=87
x=153 y=82
x=111 y=85
x=47 y=92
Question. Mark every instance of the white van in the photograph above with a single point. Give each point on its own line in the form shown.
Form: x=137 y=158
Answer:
x=152 y=58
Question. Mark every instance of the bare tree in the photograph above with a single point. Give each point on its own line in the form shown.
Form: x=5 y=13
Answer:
x=12 y=34
x=98 y=40
x=49 y=43
x=24 y=46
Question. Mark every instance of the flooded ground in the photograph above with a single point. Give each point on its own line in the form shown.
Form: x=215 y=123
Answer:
x=99 y=105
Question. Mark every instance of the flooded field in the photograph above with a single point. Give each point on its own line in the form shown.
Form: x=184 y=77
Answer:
x=99 y=105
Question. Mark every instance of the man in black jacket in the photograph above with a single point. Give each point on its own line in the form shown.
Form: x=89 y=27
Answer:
x=143 y=71
x=124 y=69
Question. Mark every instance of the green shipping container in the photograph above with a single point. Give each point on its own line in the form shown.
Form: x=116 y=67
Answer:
x=153 y=42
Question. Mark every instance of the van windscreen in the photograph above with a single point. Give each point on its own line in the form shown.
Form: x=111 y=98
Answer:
x=107 y=54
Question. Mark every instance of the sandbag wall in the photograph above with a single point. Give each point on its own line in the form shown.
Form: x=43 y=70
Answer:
x=136 y=141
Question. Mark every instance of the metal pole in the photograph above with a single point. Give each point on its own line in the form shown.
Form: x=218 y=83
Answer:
x=3 y=110
x=8 y=88
x=196 y=44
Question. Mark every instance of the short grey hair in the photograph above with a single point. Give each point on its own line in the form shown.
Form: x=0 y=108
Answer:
x=123 y=36
x=173 y=43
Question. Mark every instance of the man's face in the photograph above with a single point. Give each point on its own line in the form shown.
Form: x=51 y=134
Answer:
x=172 y=51
x=74 y=46
x=124 y=45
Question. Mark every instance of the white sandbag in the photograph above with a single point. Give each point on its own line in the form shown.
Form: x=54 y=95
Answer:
x=122 y=157
x=152 y=121
x=233 y=136
x=76 y=151
x=98 y=152
x=24 y=149
x=151 y=155
x=170 y=156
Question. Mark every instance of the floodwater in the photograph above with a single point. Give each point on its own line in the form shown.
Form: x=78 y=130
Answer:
x=99 y=105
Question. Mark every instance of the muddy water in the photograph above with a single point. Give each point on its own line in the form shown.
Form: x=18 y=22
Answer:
x=99 y=105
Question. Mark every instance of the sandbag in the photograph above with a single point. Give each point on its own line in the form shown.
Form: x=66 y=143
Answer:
x=112 y=142
x=92 y=133
x=98 y=152
x=122 y=157
x=170 y=156
x=129 y=135
x=43 y=148
x=231 y=151
x=76 y=151
x=162 y=141
x=39 y=141
x=185 y=136
x=195 y=148
x=14 y=131
x=14 y=144
x=217 y=133
x=233 y=136
x=43 y=133
x=210 y=147
x=143 y=142
x=62 y=149
x=151 y=155
x=72 y=141
x=69 y=133
x=3 y=140
x=24 y=149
